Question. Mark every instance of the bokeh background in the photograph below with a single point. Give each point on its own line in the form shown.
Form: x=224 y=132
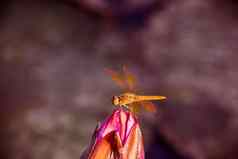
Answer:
x=54 y=91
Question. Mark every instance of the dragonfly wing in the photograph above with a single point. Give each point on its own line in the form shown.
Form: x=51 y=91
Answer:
x=117 y=78
x=149 y=106
x=135 y=107
x=129 y=78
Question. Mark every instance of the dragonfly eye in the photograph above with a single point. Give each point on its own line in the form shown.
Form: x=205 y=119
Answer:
x=115 y=100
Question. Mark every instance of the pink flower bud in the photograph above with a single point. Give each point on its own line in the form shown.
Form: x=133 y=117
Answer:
x=119 y=137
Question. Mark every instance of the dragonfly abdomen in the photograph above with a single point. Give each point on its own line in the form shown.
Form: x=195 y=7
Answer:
x=147 y=98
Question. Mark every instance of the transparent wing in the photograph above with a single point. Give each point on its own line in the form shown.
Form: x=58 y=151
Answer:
x=130 y=79
x=125 y=80
x=135 y=107
x=117 y=78
x=148 y=106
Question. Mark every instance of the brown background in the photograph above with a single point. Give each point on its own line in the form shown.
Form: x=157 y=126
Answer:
x=53 y=90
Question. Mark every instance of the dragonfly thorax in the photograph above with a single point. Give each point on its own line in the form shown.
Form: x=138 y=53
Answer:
x=124 y=99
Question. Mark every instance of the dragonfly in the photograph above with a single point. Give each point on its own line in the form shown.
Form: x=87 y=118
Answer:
x=129 y=99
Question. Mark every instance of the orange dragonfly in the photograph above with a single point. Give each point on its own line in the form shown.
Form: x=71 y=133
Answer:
x=127 y=81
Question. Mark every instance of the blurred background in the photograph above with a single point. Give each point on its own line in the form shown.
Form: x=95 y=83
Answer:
x=53 y=89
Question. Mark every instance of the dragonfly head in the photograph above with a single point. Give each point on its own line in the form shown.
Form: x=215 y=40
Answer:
x=115 y=100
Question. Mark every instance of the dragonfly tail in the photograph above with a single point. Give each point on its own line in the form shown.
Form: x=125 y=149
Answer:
x=148 y=98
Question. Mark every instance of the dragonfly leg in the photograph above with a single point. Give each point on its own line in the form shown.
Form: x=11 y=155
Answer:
x=125 y=106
